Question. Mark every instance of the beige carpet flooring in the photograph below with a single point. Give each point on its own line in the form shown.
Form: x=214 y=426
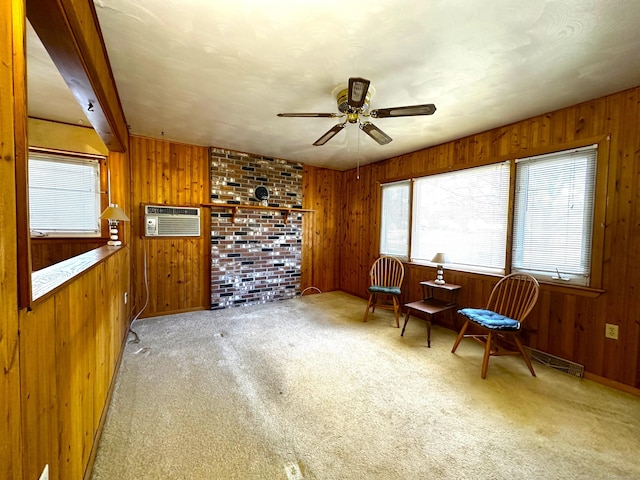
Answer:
x=302 y=389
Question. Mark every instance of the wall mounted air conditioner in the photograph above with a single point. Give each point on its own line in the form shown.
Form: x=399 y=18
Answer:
x=167 y=221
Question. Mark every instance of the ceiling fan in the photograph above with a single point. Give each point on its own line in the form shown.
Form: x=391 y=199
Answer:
x=353 y=103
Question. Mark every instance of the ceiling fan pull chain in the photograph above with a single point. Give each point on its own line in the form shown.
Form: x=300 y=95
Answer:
x=358 y=162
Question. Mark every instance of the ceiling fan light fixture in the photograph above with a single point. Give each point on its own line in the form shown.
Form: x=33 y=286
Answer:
x=329 y=135
x=375 y=133
x=345 y=107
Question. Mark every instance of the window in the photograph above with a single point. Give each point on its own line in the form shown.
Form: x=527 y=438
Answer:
x=394 y=228
x=537 y=215
x=553 y=217
x=463 y=213
x=64 y=195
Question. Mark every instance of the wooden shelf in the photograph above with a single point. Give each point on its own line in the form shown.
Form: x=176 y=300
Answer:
x=235 y=207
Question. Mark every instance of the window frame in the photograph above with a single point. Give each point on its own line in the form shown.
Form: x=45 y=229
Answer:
x=499 y=169
x=102 y=160
x=409 y=183
x=553 y=165
x=603 y=185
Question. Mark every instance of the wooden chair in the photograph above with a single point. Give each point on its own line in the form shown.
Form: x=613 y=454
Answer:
x=386 y=279
x=510 y=302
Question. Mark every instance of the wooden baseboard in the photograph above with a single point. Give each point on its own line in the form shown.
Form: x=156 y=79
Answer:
x=174 y=312
x=103 y=416
x=613 y=384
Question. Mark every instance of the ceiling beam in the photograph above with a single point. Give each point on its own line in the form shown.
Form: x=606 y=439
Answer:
x=70 y=32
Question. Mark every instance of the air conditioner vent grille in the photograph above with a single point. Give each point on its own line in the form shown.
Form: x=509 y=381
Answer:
x=150 y=209
x=167 y=221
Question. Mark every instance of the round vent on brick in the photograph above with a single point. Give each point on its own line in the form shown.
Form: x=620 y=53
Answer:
x=261 y=192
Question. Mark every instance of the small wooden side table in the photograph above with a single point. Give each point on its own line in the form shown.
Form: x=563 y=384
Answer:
x=437 y=297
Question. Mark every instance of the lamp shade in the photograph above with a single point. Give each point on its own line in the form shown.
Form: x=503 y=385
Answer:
x=114 y=212
x=440 y=258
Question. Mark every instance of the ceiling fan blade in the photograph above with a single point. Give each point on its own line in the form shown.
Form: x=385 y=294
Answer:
x=358 y=88
x=314 y=115
x=329 y=135
x=375 y=133
x=425 y=109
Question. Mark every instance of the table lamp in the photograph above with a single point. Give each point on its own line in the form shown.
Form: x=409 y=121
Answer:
x=114 y=214
x=440 y=259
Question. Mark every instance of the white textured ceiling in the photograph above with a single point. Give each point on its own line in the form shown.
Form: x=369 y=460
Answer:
x=216 y=73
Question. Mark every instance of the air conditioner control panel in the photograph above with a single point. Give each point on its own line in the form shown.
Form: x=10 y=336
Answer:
x=151 y=226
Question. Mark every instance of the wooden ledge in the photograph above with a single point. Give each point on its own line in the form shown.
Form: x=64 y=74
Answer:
x=50 y=279
x=235 y=207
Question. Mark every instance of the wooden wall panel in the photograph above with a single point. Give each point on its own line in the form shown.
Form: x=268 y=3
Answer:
x=48 y=252
x=177 y=268
x=49 y=399
x=566 y=323
x=321 y=243
x=39 y=389
x=71 y=344
x=12 y=123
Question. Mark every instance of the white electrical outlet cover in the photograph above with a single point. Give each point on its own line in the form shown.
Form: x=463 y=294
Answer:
x=45 y=473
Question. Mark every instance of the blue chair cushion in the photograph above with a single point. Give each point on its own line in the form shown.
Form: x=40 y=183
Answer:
x=387 y=290
x=489 y=319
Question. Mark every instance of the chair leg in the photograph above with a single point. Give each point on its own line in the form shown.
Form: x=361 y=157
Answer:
x=527 y=360
x=460 y=336
x=396 y=310
x=366 y=312
x=487 y=354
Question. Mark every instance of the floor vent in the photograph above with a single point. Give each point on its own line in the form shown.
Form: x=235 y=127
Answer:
x=574 y=369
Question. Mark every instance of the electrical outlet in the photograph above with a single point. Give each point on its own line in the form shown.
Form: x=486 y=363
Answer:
x=611 y=331
x=126 y=297
x=45 y=473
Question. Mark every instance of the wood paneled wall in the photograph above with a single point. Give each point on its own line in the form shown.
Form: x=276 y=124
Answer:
x=58 y=359
x=321 y=238
x=12 y=122
x=177 y=267
x=48 y=252
x=70 y=344
x=567 y=323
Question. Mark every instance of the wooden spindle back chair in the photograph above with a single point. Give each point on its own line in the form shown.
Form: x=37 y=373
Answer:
x=510 y=302
x=386 y=277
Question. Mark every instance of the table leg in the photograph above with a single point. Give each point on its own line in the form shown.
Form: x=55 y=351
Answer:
x=406 y=319
x=429 y=331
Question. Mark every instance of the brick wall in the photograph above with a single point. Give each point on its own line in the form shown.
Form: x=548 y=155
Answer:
x=257 y=258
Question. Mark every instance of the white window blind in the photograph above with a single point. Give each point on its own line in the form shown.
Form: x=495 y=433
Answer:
x=64 y=195
x=394 y=228
x=553 y=217
x=463 y=214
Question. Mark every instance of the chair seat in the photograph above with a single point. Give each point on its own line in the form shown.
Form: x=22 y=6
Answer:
x=489 y=319
x=387 y=290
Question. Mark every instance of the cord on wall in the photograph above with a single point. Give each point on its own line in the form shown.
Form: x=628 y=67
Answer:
x=146 y=288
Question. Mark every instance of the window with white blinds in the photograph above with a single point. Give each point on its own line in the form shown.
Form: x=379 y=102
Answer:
x=464 y=214
x=394 y=228
x=553 y=215
x=64 y=195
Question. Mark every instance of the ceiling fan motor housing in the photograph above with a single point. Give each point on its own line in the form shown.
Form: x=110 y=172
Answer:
x=350 y=112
